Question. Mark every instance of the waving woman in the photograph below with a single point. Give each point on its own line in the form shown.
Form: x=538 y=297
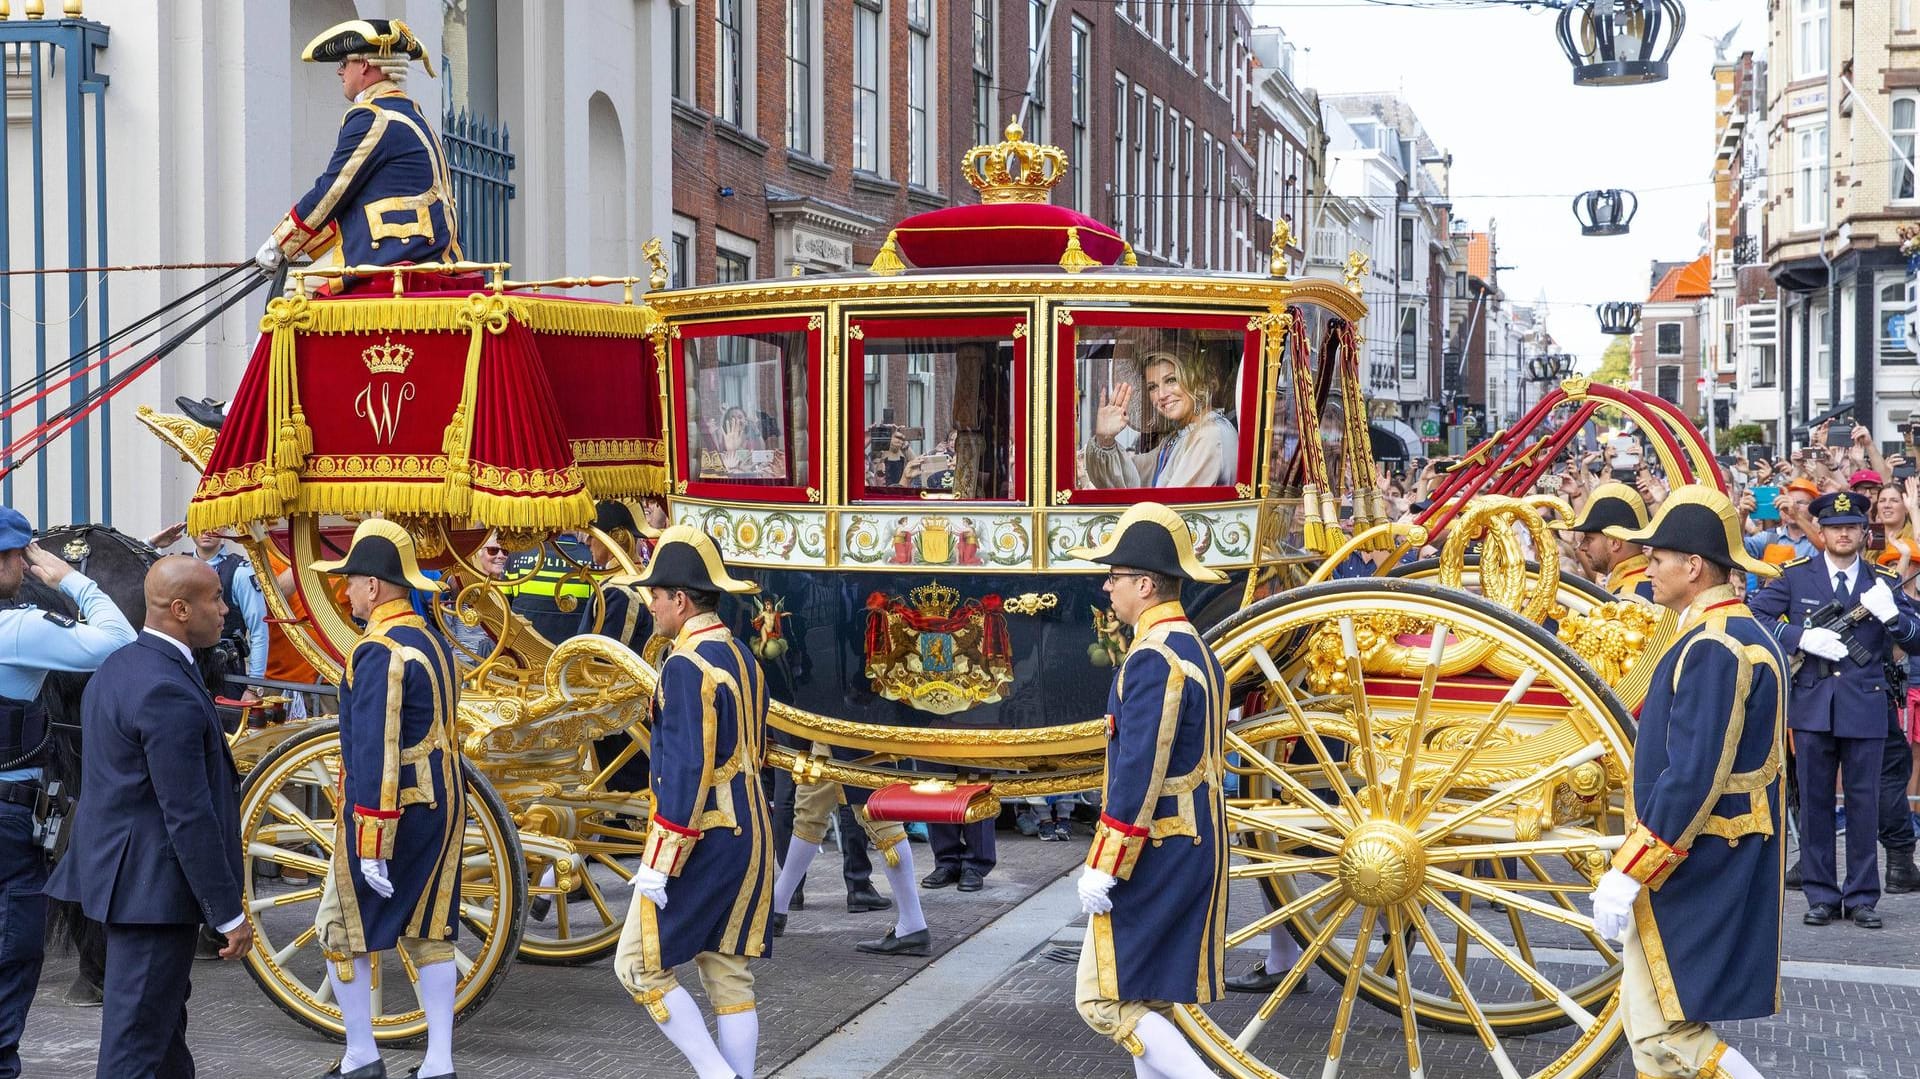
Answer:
x=1201 y=447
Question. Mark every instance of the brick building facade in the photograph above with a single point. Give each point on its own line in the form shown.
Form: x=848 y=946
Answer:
x=793 y=156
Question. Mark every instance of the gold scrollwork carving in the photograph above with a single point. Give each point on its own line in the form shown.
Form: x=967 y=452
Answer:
x=1030 y=603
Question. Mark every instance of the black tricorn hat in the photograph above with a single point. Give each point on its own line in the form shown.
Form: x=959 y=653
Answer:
x=609 y=514
x=383 y=550
x=366 y=37
x=1610 y=505
x=685 y=557
x=1152 y=537
x=1697 y=519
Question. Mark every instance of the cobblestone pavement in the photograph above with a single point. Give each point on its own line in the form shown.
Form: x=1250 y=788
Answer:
x=1851 y=1006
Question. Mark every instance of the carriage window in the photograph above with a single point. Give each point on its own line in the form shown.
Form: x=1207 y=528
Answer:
x=936 y=414
x=747 y=408
x=1158 y=407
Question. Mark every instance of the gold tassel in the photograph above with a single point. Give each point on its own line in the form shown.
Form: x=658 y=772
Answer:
x=1075 y=258
x=1128 y=259
x=888 y=260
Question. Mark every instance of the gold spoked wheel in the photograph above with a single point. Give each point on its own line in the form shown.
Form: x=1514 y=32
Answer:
x=287 y=818
x=577 y=888
x=1426 y=834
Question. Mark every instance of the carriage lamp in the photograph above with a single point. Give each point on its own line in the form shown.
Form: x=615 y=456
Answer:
x=1619 y=318
x=1620 y=42
x=1606 y=212
x=1550 y=367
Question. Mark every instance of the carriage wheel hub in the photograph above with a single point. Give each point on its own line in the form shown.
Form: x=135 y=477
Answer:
x=1382 y=863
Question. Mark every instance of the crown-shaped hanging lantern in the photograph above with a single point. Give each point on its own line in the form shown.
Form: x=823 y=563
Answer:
x=1620 y=42
x=1014 y=170
x=1619 y=318
x=1607 y=212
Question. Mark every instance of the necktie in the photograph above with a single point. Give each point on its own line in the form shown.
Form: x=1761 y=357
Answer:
x=1840 y=584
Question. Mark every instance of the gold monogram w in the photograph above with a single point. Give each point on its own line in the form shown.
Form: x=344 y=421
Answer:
x=383 y=414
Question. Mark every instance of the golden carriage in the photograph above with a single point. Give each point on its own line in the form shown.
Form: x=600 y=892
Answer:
x=1429 y=759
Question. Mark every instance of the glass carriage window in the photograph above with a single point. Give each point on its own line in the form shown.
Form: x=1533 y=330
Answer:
x=1157 y=401
x=942 y=415
x=746 y=407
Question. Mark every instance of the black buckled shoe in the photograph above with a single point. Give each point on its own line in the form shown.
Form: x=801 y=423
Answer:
x=1864 y=917
x=375 y=1070
x=864 y=898
x=1262 y=980
x=920 y=943
x=206 y=412
x=1902 y=875
x=799 y=900
x=779 y=923
x=971 y=881
x=1821 y=914
x=941 y=877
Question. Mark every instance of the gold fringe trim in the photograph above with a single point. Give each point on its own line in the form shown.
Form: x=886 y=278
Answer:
x=449 y=314
x=431 y=497
x=234 y=510
x=625 y=481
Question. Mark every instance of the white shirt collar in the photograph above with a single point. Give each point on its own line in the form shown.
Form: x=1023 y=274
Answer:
x=184 y=650
x=1849 y=569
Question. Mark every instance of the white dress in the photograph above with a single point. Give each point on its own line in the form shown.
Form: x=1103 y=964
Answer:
x=1201 y=454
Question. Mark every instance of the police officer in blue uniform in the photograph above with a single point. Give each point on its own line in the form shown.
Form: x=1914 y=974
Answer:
x=1155 y=882
x=395 y=876
x=385 y=196
x=33 y=642
x=1617 y=564
x=1839 y=708
x=1696 y=889
x=703 y=892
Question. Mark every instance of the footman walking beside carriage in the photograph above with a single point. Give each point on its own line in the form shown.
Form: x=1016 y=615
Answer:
x=704 y=887
x=1696 y=889
x=1155 y=884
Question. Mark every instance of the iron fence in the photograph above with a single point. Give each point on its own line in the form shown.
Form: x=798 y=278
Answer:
x=481 y=165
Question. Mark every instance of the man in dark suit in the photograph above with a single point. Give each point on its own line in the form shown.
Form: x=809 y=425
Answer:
x=1838 y=709
x=156 y=838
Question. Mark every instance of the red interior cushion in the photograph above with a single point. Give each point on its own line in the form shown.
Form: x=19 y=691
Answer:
x=1002 y=234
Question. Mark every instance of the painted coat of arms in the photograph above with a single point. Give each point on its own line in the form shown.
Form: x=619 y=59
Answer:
x=935 y=652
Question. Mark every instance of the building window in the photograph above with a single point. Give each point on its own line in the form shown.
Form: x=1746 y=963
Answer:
x=732 y=27
x=867 y=41
x=1080 y=42
x=1036 y=125
x=1406 y=249
x=1409 y=344
x=983 y=104
x=919 y=92
x=1156 y=134
x=1176 y=168
x=1809 y=38
x=682 y=52
x=1205 y=168
x=1904 y=107
x=1137 y=187
x=1186 y=192
x=1666 y=339
x=799 y=76
x=1903 y=15
x=1891 y=317
x=682 y=267
x=731 y=266
x=1667 y=382
x=1120 y=192
x=1810 y=176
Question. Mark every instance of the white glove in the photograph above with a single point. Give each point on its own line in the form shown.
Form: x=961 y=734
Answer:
x=1094 y=886
x=269 y=258
x=1613 y=905
x=374 y=871
x=1823 y=643
x=1878 y=601
x=652 y=883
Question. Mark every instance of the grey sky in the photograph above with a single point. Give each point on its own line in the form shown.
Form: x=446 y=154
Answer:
x=1492 y=87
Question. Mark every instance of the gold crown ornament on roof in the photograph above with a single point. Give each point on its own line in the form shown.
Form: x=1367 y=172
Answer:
x=1014 y=170
x=387 y=358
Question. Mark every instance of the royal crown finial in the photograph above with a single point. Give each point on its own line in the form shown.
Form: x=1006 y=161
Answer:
x=387 y=358
x=934 y=599
x=1014 y=170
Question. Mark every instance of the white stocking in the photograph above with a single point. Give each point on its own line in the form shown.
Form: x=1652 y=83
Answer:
x=740 y=1040
x=906 y=892
x=356 y=1012
x=1141 y=1070
x=792 y=871
x=687 y=1030
x=1735 y=1066
x=437 y=981
x=1282 y=950
x=1167 y=1050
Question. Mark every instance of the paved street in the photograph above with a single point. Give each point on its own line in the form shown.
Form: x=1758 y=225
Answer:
x=995 y=1000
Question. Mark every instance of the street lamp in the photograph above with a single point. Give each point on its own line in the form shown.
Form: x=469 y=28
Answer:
x=1550 y=367
x=1619 y=318
x=1620 y=42
x=1606 y=212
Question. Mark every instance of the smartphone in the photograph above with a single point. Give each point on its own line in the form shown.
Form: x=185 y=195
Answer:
x=1726 y=460
x=1595 y=467
x=1627 y=476
x=1889 y=447
x=1904 y=469
x=1766 y=503
x=1840 y=436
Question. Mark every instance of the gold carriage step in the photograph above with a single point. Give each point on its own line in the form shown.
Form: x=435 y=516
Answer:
x=934 y=801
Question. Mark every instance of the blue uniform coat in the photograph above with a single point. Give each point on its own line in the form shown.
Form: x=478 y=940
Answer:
x=156 y=838
x=1843 y=698
x=711 y=832
x=1162 y=828
x=385 y=193
x=1707 y=798
x=404 y=800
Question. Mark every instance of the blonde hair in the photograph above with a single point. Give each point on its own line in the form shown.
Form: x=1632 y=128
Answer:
x=1195 y=378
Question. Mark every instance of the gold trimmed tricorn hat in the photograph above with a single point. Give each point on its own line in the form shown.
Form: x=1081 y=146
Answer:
x=364 y=39
x=1610 y=505
x=383 y=550
x=1697 y=519
x=1149 y=536
x=686 y=557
